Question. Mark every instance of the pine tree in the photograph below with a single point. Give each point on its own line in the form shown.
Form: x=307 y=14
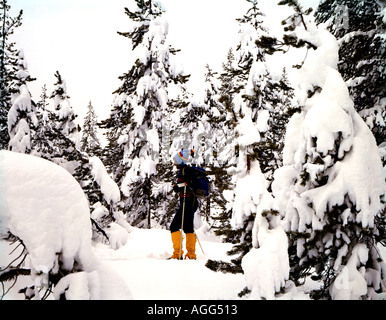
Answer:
x=8 y=60
x=219 y=154
x=90 y=142
x=140 y=112
x=251 y=29
x=64 y=113
x=55 y=137
x=328 y=194
x=230 y=84
x=250 y=58
x=269 y=100
x=244 y=111
x=229 y=87
x=360 y=27
x=217 y=141
x=48 y=141
x=43 y=137
x=21 y=116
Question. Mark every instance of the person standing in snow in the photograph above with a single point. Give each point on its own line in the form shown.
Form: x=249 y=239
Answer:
x=187 y=210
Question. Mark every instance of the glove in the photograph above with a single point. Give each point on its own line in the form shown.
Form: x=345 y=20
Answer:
x=176 y=188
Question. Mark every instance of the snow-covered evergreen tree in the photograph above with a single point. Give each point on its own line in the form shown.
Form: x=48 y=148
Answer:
x=44 y=136
x=90 y=141
x=225 y=143
x=266 y=265
x=251 y=28
x=330 y=188
x=252 y=99
x=220 y=152
x=252 y=114
x=48 y=141
x=360 y=27
x=230 y=85
x=63 y=110
x=21 y=116
x=267 y=100
x=66 y=130
x=8 y=66
x=140 y=110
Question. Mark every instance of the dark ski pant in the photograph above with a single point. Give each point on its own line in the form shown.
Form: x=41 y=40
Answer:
x=191 y=205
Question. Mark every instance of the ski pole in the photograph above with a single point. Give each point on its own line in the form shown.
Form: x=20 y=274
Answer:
x=198 y=240
x=182 y=222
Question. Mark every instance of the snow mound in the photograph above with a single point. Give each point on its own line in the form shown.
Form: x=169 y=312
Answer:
x=102 y=284
x=266 y=269
x=44 y=206
x=118 y=235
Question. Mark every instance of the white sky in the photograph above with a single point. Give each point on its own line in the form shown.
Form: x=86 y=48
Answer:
x=79 y=39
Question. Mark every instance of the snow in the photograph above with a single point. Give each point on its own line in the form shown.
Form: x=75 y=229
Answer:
x=360 y=177
x=317 y=63
x=146 y=254
x=108 y=187
x=247 y=197
x=351 y=283
x=319 y=122
x=45 y=207
x=99 y=211
x=20 y=140
x=383 y=15
x=55 y=222
x=21 y=103
x=104 y=283
x=136 y=267
x=267 y=268
x=248 y=132
x=262 y=120
x=118 y=236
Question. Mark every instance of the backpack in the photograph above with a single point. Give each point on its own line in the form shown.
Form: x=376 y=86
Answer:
x=197 y=181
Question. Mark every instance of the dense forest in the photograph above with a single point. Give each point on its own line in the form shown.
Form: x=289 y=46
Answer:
x=296 y=157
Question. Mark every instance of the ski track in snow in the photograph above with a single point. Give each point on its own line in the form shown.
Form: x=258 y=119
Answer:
x=142 y=263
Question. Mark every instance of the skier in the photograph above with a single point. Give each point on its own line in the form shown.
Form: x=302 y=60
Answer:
x=187 y=208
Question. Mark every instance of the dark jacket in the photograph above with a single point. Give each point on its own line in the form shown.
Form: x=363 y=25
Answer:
x=183 y=176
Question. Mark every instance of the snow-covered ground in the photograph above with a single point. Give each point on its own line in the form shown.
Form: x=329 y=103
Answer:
x=143 y=266
x=52 y=220
x=142 y=263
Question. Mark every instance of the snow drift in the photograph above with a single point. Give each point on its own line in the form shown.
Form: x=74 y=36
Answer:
x=45 y=207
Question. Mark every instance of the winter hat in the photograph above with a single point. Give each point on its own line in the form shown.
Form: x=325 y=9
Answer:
x=182 y=157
